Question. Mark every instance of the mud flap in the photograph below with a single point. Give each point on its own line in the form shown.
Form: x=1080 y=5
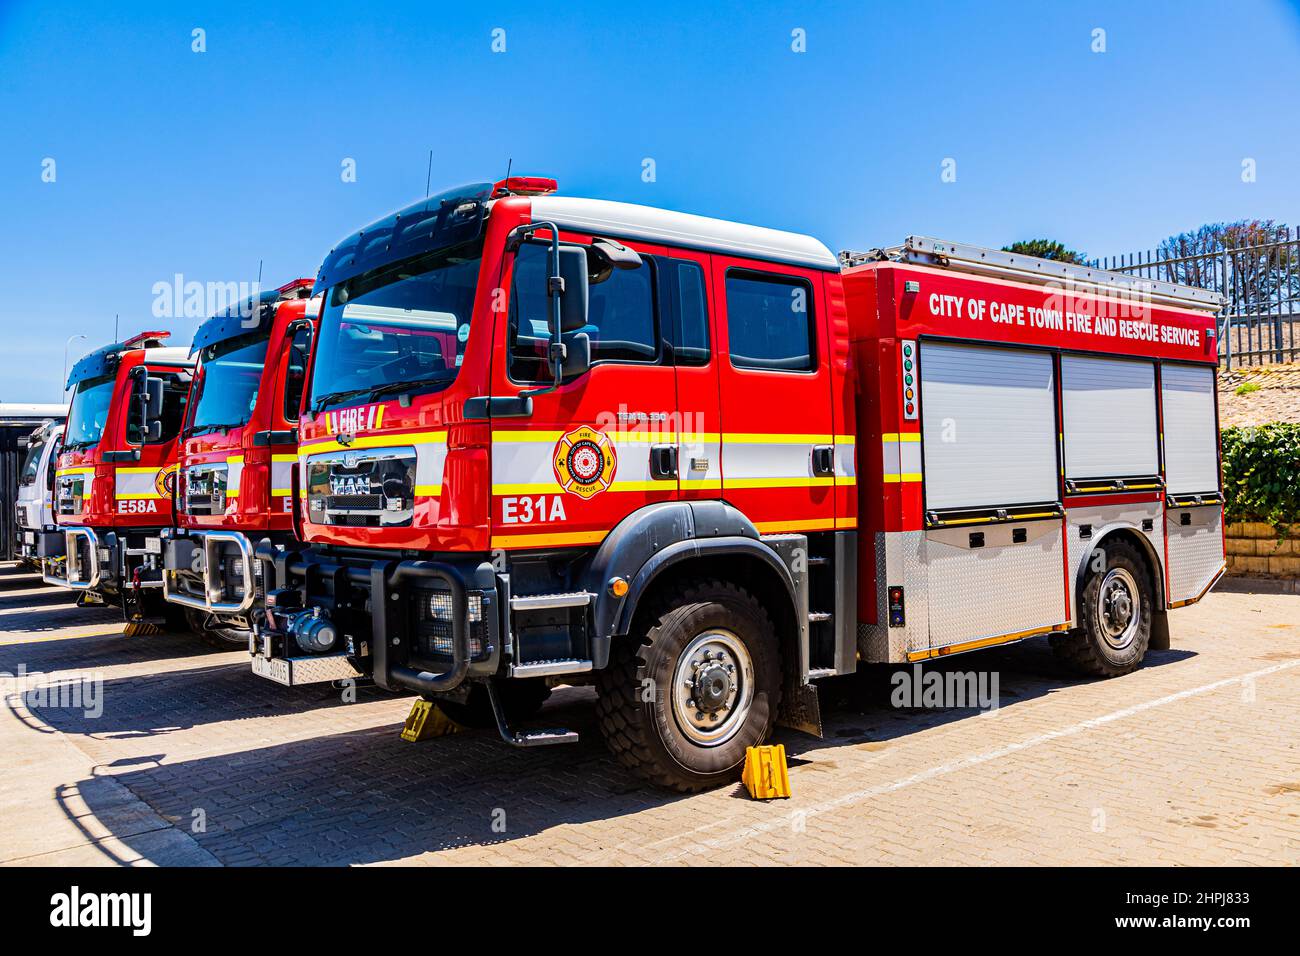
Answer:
x=800 y=708
x=1159 y=631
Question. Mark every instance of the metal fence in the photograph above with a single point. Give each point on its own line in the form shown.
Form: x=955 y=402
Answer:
x=1260 y=279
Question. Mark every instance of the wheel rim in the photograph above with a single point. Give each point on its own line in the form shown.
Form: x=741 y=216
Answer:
x=1119 y=608
x=713 y=688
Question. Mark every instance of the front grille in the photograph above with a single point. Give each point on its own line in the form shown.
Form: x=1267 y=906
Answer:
x=369 y=488
x=431 y=625
x=205 y=489
x=356 y=502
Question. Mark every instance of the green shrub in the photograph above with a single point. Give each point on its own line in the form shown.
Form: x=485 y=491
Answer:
x=1261 y=473
x=1245 y=388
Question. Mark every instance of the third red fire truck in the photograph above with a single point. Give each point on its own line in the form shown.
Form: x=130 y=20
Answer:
x=704 y=464
x=237 y=453
x=116 y=469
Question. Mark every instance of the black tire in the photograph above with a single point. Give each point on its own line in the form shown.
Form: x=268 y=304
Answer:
x=223 y=637
x=653 y=738
x=1094 y=648
x=521 y=699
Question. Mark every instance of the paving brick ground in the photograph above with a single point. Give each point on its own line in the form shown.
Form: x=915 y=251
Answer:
x=1195 y=759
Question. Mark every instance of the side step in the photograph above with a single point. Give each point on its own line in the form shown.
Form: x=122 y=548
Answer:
x=526 y=738
x=550 y=668
x=541 y=602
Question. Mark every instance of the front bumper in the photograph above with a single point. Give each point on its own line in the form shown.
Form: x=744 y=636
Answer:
x=211 y=571
x=77 y=557
x=413 y=625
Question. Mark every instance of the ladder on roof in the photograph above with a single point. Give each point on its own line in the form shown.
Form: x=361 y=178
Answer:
x=960 y=257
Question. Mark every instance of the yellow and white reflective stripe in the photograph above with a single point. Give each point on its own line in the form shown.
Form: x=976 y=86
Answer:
x=901 y=457
x=60 y=472
x=320 y=445
x=139 y=483
x=282 y=475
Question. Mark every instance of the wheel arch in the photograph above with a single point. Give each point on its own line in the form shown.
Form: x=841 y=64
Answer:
x=1141 y=543
x=661 y=543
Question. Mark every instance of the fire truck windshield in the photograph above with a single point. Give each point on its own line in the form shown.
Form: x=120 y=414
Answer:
x=88 y=413
x=32 y=463
x=227 y=383
x=404 y=324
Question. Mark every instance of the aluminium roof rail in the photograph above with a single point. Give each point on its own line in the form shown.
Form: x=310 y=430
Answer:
x=960 y=257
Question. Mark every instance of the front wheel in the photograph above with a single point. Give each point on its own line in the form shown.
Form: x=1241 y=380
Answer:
x=680 y=706
x=1115 y=608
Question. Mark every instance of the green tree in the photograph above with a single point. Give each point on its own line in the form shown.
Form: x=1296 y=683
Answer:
x=1046 y=249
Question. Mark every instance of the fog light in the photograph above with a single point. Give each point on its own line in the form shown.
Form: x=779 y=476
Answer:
x=440 y=607
x=105 y=555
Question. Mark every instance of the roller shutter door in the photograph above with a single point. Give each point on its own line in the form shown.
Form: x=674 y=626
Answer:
x=1190 y=429
x=1109 y=417
x=988 y=424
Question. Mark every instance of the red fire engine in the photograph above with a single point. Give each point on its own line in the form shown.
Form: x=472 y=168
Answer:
x=701 y=464
x=238 y=449
x=116 y=470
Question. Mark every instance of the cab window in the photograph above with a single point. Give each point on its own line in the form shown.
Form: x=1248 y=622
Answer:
x=769 y=321
x=621 y=316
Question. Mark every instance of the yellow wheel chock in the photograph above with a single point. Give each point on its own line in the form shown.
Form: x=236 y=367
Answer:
x=426 y=720
x=140 y=629
x=766 y=776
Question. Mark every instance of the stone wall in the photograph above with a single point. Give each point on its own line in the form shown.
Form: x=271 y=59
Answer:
x=1253 y=548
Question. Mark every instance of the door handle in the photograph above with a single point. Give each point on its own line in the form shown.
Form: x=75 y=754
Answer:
x=663 y=462
x=823 y=461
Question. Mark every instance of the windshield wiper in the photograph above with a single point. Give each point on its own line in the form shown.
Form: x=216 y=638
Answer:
x=393 y=387
x=328 y=397
x=215 y=427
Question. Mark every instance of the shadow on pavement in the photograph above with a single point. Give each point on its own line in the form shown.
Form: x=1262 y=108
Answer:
x=366 y=796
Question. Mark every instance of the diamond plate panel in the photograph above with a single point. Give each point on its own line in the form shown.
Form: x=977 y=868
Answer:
x=1195 y=550
x=1104 y=520
x=1001 y=588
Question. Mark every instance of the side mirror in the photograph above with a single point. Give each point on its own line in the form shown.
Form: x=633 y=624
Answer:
x=572 y=268
x=577 y=355
x=153 y=399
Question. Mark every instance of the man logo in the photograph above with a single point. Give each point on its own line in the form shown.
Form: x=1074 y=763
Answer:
x=585 y=462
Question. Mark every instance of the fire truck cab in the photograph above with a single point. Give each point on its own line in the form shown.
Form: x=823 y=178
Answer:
x=35 y=504
x=116 y=474
x=238 y=449
x=701 y=464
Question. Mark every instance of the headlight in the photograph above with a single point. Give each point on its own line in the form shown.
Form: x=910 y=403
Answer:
x=440 y=607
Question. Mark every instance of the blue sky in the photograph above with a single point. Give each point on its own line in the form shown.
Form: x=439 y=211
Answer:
x=169 y=161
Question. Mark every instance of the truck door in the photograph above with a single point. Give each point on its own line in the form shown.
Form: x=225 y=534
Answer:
x=593 y=450
x=774 y=383
x=993 y=548
x=685 y=295
x=1193 y=498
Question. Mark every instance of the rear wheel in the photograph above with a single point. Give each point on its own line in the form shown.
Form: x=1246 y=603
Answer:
x=521 y=699
x=1115 y=609
x=680 y=706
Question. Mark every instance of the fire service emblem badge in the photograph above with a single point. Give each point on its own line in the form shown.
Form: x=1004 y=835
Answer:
x=585 y=462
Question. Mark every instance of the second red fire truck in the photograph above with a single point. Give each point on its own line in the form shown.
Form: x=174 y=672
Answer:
x=237 y=454
x=703 y=465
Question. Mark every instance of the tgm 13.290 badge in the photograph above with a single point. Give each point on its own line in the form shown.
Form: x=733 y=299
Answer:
x=585 y=462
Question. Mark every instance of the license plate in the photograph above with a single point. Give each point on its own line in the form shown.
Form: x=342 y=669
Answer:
x=272 y=668
x=153 y=545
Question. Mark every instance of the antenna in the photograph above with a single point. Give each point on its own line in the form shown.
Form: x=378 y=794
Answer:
x=259 y=276
x=428 y=176
x=116 y=316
